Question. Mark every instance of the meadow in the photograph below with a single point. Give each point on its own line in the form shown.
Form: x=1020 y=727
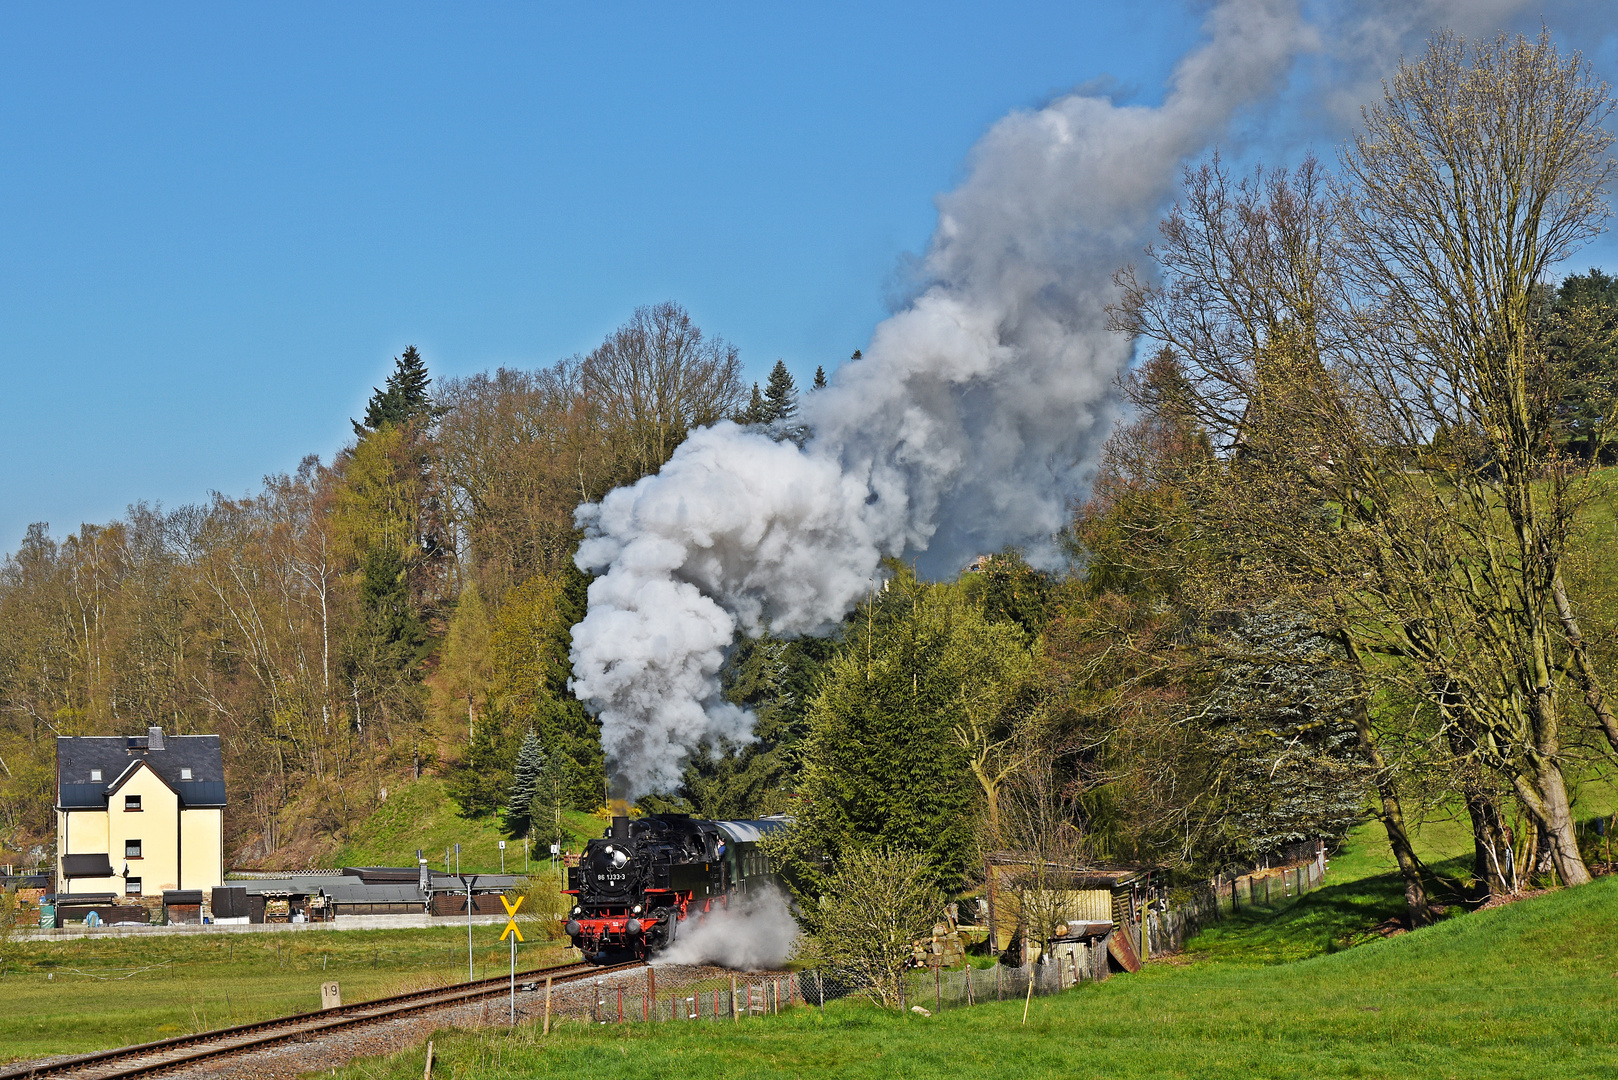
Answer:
x=1524 y=990
x=74 y=996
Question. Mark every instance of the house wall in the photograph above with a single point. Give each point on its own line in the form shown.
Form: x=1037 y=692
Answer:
x=156 y=825
x=202 y=848
x=83 y=832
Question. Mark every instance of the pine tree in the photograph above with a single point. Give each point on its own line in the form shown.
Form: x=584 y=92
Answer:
x=780 y=394
x=856 y=355
x=756 y=411
x=531 y=765
x=405 y=397
x=820 y=379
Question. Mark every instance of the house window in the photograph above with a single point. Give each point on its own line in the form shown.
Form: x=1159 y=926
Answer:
x=132 y=802
x=95 y=775
x=132 y=886
x=185 y=774
x=131 y=849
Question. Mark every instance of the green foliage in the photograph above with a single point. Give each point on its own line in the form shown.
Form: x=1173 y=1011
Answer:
x=530 y=644
x=405 y=400
x=1580 y=332
x=876 y=904
x=531 y=762
x=480 y=782
x=884 y=765
x=1285 y=764
x=1007 y=589
x=776 y=679
x=393 y=635
x=756 y=411
x=781 y=394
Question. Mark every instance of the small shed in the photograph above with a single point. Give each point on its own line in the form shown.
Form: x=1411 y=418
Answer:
x=182 y=906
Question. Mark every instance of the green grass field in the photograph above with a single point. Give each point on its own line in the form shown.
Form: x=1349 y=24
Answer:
x=80 y=995
x=421 y=815
x=1526 y=990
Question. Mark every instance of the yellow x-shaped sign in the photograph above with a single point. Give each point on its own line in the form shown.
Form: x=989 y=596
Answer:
x=511 y=917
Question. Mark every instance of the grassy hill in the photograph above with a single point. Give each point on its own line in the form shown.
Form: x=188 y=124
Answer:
x=1526 y=990
x=421 y=815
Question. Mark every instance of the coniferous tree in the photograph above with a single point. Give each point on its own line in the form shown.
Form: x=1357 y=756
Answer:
x=781 y=394
x=757 y=410
x=531 y=763
x=405 y=397
x=820 y=379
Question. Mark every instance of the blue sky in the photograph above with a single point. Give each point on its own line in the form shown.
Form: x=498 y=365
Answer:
x=218 y=226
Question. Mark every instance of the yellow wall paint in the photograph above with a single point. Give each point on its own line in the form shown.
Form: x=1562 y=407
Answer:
x=201 y=848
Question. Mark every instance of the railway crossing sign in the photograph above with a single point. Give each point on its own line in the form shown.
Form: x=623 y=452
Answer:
x=511 y=918
x=516 y=936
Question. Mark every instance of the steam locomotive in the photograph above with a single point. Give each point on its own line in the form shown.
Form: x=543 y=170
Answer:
x=637 y=883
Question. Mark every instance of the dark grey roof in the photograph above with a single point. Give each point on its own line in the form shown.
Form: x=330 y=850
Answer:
x=351 y=889
x=114 y=755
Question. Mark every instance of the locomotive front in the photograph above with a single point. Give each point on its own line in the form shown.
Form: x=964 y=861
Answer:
x=636 y=884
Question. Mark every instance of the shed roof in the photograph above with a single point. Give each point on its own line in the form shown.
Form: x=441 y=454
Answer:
x=114 y=756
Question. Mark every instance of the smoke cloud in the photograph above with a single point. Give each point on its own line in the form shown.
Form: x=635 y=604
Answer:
x=757 y=934
x=974 y=418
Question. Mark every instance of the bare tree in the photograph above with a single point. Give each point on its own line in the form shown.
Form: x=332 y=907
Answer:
x=1367 y=369
x=657 y=377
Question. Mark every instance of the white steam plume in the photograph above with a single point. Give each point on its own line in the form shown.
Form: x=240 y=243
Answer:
x=974 y=417
x=756 y=934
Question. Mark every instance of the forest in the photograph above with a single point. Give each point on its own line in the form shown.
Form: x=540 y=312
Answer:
x=1347 y=558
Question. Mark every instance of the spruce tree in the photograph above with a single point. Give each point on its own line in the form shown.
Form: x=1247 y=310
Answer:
x=780 y=394
x=820 y=379
x=531 y=765
x=757 y=410
x=405 y=397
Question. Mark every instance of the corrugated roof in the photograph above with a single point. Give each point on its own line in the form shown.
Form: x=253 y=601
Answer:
x=78 y=756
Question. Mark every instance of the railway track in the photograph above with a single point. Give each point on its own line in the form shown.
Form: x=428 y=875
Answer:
x=149 y=1059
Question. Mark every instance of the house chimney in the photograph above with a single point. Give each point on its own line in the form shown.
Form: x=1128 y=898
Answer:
x=154 y=738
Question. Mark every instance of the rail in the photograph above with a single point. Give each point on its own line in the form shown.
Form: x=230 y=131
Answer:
x=146 y=1059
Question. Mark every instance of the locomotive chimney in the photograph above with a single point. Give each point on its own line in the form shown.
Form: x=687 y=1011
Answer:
x=620 y=818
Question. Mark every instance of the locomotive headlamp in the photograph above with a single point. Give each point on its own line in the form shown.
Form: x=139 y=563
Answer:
x=635 y=910
x=578 y=911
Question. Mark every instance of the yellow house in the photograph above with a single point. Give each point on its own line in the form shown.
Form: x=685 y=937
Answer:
x=140 y=815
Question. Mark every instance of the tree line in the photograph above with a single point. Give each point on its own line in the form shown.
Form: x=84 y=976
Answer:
x=402 y=609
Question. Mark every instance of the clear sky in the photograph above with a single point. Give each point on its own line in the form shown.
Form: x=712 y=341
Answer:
x=218 y=227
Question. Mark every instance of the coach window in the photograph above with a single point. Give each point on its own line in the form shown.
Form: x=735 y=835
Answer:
x=131 y=803
x=131 y=849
